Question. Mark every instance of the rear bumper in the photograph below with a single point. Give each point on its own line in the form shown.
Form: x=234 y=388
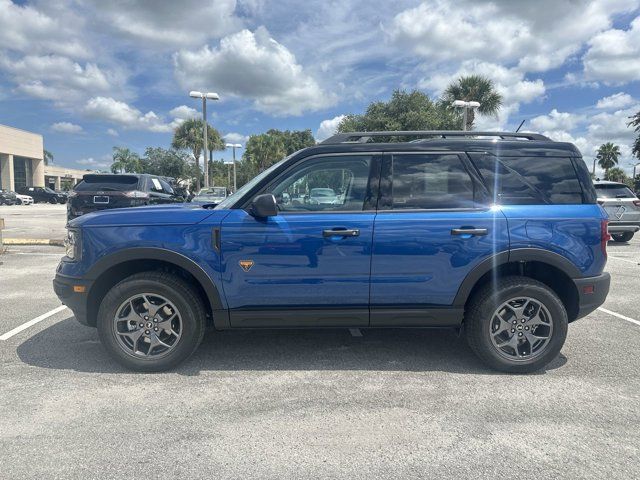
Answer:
x=619 y=227
x=76 y=301
x=592 y=292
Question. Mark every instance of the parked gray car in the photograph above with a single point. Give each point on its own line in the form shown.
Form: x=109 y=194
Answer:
x=623 y=208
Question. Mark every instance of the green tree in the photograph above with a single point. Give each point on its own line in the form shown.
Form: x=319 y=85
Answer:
x=607 y=156
x=293 y=140
x=404 y=111
x=615 y=174
x=125 y=161
x=189 y=136
x=47 y=157
x=474 y=88
x=166 y=163
x=262 y=151
x=636 y=184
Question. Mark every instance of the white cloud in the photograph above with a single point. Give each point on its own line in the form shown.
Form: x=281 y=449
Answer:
x=59 y=79
x=614 y=56
x=66 y=127
x=328 y=127
x=615 y=101
x=184 y=113
x=111 y=110
x=93 y=163
x=556 y=121
x=537 y=35
x=168 y=24
x=26 y=29
x=112 y=132
x=255 y=66
x=233 y=137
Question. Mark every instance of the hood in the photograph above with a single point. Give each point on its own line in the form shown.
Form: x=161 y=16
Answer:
x=179 y=214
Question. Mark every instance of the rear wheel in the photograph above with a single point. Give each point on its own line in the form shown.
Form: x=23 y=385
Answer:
x=622 y=237
x=53 y=200
x=151 y=321
x=516 y=325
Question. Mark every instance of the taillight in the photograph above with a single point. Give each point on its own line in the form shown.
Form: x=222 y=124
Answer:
x=604 y=236
x=636 y=203
x=136 y=194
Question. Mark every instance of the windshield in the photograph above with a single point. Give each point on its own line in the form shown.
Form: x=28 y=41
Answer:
x=231 y=199
x=212 y=192
x=614 y=191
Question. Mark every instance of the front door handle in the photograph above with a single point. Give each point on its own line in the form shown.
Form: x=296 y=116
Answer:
x=469 y=231
x=341 y=232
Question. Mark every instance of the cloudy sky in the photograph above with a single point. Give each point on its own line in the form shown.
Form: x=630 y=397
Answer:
x=91 y=74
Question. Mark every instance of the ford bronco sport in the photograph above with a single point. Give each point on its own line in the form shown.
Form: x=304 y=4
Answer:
x=497 y=235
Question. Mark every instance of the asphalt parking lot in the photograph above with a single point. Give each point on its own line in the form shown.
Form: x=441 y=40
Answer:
x=39 y=221
x=314 y=404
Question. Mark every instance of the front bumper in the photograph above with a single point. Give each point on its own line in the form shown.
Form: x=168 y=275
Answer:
x=65 y=288
x=592 y=292
x=619 y=227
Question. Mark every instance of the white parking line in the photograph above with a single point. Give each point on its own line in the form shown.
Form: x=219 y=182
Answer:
x=30 y=323
x=619 y=316
x=624 y=260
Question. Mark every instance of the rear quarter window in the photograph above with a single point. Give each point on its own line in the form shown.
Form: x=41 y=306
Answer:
x=531 y=180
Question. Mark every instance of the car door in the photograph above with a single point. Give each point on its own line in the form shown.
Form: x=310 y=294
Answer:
x=310 y=264
x=434 y=225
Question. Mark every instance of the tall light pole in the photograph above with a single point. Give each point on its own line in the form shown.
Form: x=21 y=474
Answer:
x=465 y=106
x=634 y=171
x=205 y=153
x=234 y=146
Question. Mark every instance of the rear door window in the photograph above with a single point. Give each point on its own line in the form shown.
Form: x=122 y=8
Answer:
x=430 y=181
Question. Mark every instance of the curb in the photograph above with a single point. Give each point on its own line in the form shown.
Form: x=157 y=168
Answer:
x=33 y=241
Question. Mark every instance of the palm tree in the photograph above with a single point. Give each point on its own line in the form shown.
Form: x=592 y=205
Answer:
x=47 y=157
x=474 y=88
x=635 y=123
x=263 y=150
x=607 y=156
x=189 y=136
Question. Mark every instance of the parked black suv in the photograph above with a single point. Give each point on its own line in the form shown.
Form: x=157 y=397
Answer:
x=102 y=191
x=42 y=194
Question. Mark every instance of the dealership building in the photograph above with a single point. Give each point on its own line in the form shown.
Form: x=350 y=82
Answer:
x=22 y=163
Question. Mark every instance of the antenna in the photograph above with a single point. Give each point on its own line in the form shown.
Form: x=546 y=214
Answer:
x=520 y=126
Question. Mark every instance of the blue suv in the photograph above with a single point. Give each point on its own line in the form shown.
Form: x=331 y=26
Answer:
x=497 y=235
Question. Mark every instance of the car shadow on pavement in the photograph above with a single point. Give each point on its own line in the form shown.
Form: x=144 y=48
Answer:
x=67 y=345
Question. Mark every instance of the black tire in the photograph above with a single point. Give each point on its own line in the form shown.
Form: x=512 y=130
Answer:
x=18 y=201
x=53 y=201
x=479 y=317
x=173 y=288
x=622 y=237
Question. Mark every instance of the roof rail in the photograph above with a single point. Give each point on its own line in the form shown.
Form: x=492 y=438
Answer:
x=364 y=137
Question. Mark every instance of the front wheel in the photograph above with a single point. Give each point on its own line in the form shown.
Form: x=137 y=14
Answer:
x=151 y=321
x=622 y=237
x=516 y=324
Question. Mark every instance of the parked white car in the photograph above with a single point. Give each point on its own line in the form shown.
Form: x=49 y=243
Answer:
x=23 y=199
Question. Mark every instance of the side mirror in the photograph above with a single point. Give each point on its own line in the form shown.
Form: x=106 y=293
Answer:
x=264 y=206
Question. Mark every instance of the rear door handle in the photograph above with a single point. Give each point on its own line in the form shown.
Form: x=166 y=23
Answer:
x=469 y=231
x=341 y=232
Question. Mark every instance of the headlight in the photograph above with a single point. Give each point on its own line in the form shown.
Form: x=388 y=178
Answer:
x=72 y=245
